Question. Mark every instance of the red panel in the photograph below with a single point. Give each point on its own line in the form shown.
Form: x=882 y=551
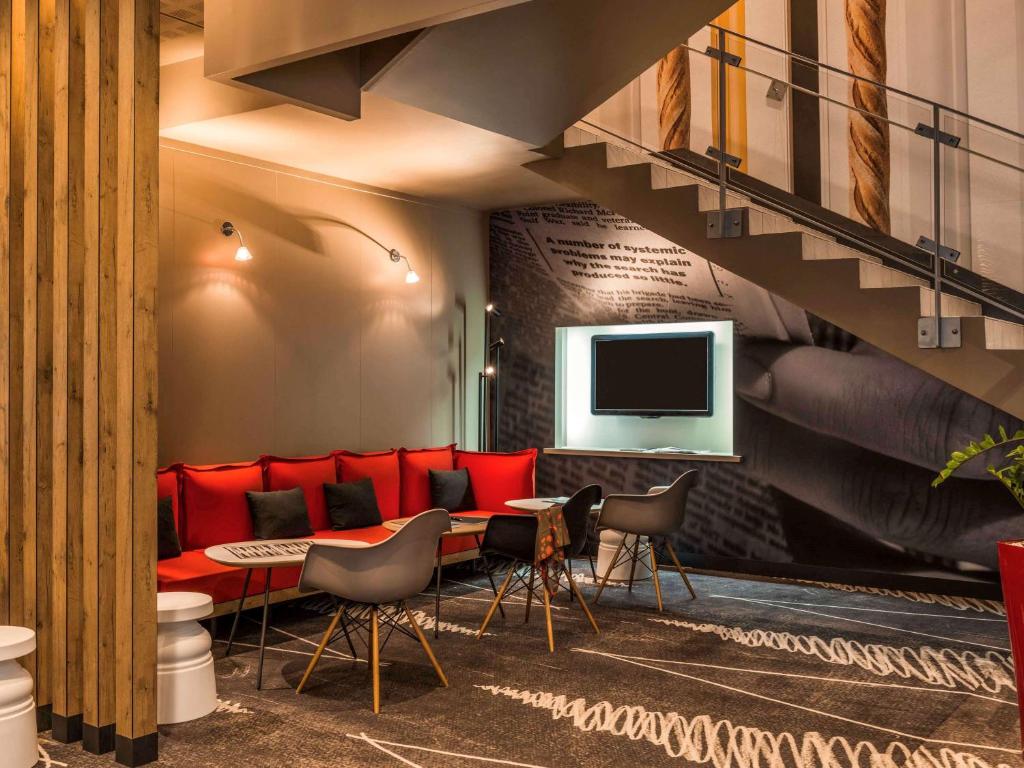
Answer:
x=382 y=468
x=308 y=473
x=195 y=572
x=499 y=477
x=168 y=483
x=414 y=466
x=1011 y=571
x=216 y=511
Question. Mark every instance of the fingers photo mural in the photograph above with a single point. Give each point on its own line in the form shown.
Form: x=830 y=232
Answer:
x=840 y=440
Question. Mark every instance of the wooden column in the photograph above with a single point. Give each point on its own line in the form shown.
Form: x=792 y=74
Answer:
x=136 y=363
x=22 y=348
x=78 y=252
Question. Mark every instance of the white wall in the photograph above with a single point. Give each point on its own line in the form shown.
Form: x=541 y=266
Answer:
x=318 y=343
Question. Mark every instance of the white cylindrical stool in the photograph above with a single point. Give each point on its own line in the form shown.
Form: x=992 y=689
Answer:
x=185 y=684
x=606 y=551
x=17 y=707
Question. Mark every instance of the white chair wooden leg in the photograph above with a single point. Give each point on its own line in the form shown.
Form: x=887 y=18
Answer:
x=18 y=740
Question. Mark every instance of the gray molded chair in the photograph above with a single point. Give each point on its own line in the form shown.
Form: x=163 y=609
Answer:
x=373 y=584
x=658 y=513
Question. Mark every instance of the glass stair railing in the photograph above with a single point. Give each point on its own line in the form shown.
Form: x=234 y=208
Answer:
x=904 y=172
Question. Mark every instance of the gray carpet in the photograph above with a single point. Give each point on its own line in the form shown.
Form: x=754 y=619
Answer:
x=751 y=675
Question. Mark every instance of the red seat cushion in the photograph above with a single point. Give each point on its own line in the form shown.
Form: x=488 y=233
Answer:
x=216 y=510
x=499 y=477
x=382 y=469
x=414 y=466
x=195 y=572
x=168 y=484
x=308 y=473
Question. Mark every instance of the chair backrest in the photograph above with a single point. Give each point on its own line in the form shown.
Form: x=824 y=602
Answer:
x=576 y=513
x=395 y=569
x=654 y=514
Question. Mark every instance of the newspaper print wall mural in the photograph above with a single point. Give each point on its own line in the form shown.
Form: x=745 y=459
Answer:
x=840 y=441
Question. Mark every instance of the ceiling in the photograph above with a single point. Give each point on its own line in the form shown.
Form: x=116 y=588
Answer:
x=392 y=146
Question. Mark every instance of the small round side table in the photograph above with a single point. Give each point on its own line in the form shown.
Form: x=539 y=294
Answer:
x=186 y=688
x=17 y=707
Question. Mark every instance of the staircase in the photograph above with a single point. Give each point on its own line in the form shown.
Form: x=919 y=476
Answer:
x=842 y=284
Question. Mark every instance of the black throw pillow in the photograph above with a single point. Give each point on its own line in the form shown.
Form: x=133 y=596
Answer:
x=279 y=514
x=167 y=544
x=352 y=505
x=451 y=490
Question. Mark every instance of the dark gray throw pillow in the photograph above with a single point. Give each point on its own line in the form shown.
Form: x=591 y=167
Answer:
x=352 y=505
x=451 y=490
x=279 y=514
x=167 y=543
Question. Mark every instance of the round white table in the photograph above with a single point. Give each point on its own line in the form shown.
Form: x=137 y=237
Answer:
x=17 y=707
x=186 y=687
x=265 y=554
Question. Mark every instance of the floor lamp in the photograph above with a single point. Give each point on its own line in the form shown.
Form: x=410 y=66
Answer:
x=489 y=430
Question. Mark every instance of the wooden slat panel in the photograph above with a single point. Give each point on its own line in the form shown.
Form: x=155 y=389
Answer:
x=68 y=703
x=24 y=118
x=5 y=298
x=95 y=713
x=106 y=556
x=44 y=403
x=146 y=38
x=60 y=546
x=124 y=299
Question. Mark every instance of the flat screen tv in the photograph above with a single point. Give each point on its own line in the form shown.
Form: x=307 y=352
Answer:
x=652 y=375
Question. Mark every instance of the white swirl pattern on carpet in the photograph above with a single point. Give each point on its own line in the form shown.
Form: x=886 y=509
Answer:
x=704 y=740
x=991 y=671
x=975 y=604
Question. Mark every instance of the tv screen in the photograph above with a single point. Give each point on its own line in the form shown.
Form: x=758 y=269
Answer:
x=660 y=374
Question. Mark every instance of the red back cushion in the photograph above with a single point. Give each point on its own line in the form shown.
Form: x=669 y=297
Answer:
x=499 y=477
x=308 y=473
x=382 y=469
x=167 y=485
x=216 y=510
x=414 y=466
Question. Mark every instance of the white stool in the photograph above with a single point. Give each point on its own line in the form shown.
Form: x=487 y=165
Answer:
x=17 y=707
x=606 y=551
x=186 y=688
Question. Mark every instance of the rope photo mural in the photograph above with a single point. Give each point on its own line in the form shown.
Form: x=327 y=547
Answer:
x=674 y=99
x=869 y=127
x=840 y=440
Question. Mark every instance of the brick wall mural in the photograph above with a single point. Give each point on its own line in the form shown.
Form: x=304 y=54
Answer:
x=840 y=441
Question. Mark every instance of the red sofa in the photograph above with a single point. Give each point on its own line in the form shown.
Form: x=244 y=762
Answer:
x=210 y=506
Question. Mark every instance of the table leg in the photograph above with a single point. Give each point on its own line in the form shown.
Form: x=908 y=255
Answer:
x=238 y=612
x=490 y=576
x=437 y=592
x=263 y=631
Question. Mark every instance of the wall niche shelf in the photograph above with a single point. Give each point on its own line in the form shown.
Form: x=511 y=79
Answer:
x=609 y=453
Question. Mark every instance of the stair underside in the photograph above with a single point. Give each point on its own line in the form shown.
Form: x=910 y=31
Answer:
x=851 y=289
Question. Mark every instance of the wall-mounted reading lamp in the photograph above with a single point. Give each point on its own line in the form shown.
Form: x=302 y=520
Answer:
x=242 y=254
x=410 y=275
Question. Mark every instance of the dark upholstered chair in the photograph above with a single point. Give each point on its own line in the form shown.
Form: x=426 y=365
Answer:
x=659 y=513
x=577 y=519
x=372 y=583
x=514 y=537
